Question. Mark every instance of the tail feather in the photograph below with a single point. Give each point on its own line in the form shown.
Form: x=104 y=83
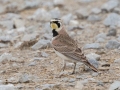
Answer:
x=91 y=66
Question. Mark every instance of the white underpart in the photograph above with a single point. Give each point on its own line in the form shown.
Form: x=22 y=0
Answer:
x=64 y=57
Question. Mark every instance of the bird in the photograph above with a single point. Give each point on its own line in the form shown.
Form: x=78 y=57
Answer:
x=66 y=47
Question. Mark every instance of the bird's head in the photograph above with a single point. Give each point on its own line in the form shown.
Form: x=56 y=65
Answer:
x=56 y=26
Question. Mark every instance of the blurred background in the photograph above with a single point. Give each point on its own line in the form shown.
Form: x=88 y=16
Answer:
x=27 y=60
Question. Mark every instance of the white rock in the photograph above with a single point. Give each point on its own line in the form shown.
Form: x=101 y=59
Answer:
x=66 y=18
x=92 y=46
x=7 y=87
x=19 y=23
x=74 y=22
x=7 y=24
x=93 y=56
x=55 y=13
x=2 y=45
x=29 y=37
x=111 y=4
x=79 y=85
x=82 y=13
x=21 y=29
x=96 y=10
x=18 y=44
x=41 y=44
x=115 y=85
x=41 y=14
x=58 y=2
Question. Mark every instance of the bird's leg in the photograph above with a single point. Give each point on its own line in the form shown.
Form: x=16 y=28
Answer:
x=74 y=68
x=64 y=66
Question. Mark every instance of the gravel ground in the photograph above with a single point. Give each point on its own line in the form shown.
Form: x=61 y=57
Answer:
x=28 y=61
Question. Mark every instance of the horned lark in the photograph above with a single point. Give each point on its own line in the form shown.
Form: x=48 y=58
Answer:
x=65 y=46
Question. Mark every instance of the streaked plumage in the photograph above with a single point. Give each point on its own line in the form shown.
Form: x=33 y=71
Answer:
x=66 y=47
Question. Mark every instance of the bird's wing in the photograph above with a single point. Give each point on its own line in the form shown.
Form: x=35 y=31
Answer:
x=64 y=44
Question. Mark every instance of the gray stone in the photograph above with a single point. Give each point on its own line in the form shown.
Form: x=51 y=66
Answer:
x=2 y=45
x=9 y=16
x=18 y=44
x=93 y=56
x=72 y=80
x=49 y=86
x=93 y=18
x=2 y=9
x=88 y=79
x=41 y=14
x=7 y=87
x=112 y=44
x=93 y=62
x=46 y=28
x=44 y=54
x=64 y=79
x=55 y=13
x=66 y=18
x=110 y=5
x=117 y=61
x=6 y=57
x=48 y=4
x=99 y=83
x=59 y=2
x=117 y=10
x=47 y=36
x=101 y=35
x=94 y=74
x=24 y=78
x=41 y=44
x=96 y=10
x=92 y=46
x=115 y=85
x=7 y=24
x=6 y=38
x=85 y=1
x=112 y=32
x=112 y=19
x=118 y=38
x=32 y=4
x=100 y=40
x=82 y=13
x=32 y=64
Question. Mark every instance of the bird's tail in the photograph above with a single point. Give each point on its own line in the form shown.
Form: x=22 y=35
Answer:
x=91 y=66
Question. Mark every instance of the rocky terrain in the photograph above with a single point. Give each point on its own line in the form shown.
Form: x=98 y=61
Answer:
x=27 y=60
